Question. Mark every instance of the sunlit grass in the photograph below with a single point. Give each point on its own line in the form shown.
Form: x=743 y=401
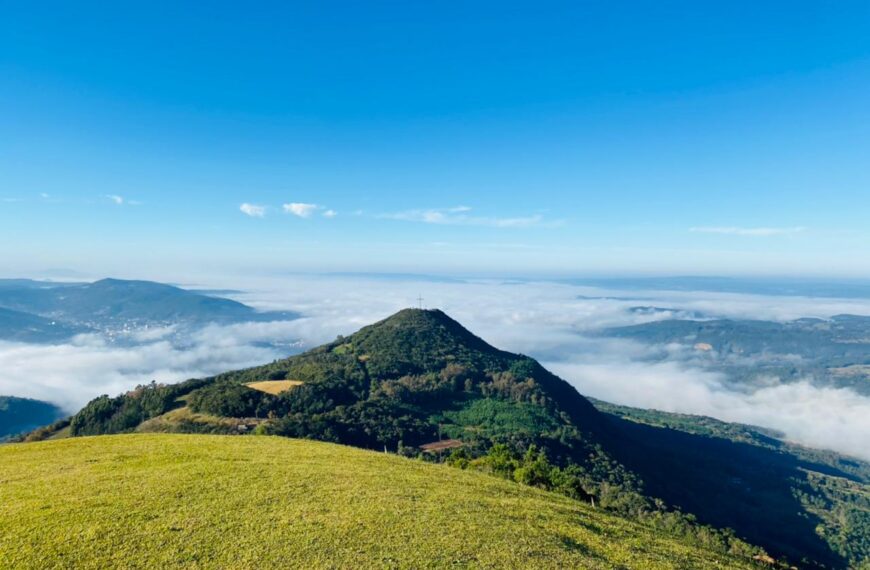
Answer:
x=195 y=501
x=274 y=387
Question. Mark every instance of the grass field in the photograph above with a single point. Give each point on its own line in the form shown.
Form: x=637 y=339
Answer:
x=198 y=501
x=274 y=387
x=184 y=419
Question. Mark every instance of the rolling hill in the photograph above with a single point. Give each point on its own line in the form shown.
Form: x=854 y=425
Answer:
x=182 y=501
x=36 y=311
x=419 y=377
x=20 y=415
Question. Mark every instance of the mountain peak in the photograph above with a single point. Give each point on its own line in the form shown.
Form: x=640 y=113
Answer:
x=423 y=339
x=420 y=317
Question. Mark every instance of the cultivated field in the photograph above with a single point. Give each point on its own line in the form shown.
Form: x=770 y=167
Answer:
x=274 y=387
x=198 y=501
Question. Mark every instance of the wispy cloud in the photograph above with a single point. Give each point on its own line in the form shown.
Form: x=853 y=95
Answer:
x=460 y=216
x=119 y=200
x=753 y=232
x=330 y=214
x=301 y=209
x=253 y=210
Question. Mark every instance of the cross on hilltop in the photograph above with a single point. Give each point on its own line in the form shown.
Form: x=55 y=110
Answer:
x=420 y=301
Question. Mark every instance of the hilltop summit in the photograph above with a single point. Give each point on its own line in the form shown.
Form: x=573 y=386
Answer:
x=420 y=340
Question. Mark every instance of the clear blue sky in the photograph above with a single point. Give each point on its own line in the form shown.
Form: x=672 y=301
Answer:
x=513 y=138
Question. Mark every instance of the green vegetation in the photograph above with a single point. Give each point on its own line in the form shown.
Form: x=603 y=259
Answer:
x=418 y=376
x=534 y=469
x=232 y=400
x=491 y=418
x=125 y=412
x=193 y=501
x=830 y=492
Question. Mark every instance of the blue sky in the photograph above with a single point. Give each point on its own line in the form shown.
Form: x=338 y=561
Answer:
x=494 y=138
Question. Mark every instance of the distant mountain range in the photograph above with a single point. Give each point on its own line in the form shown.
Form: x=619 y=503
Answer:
x=46 y=312
x=855 y=289
x=419 y=378
x=833 y=352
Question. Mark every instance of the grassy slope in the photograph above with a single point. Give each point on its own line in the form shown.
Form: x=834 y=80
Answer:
x=211 y=501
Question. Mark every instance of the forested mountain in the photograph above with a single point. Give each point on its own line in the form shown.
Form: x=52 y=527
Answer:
x=36 y=311
x=420 y=378
x=20 y=415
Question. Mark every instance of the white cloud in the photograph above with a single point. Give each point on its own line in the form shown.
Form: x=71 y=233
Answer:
x=72 y=374
x=833 y=418
x=459 y=216
x=119 y=200
x=301 y=209
x=753 y=232
x=549 y=321
x=253 y=210
x=330 y=214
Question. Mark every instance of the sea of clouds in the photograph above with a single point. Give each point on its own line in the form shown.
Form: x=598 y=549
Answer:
x=555 y=323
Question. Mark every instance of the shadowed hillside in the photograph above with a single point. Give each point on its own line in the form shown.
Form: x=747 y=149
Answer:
x=19 y=415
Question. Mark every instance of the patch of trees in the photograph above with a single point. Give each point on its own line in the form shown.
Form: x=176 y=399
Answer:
x=123 y=413
x=372 y=424
x=232 y=400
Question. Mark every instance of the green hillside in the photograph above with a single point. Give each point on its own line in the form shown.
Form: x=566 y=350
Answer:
x=195 y=501
x=829 y=492
x=419 y=376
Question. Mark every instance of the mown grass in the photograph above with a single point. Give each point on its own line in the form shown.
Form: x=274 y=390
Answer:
x=198 y=501
x=274 y=387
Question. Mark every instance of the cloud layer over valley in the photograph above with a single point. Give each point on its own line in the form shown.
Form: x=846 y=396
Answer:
x=555 y=323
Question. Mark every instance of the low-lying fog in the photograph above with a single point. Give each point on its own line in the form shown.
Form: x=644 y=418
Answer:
x=548 y=321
